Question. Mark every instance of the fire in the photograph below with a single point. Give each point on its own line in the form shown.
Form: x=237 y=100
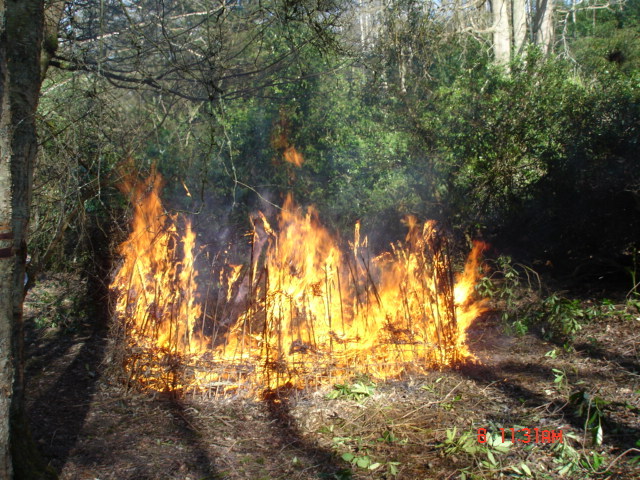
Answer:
x=156 y=288
x=292 y=156
x=301 y=311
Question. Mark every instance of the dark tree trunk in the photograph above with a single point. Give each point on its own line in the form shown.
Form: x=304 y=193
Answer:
x=6 y=258
x=22 y=27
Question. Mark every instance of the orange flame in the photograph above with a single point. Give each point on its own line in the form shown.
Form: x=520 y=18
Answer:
x=156 y=283
x=292 y=156
x=303 y=313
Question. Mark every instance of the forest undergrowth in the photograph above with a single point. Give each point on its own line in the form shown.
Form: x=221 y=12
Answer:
x=544 y=361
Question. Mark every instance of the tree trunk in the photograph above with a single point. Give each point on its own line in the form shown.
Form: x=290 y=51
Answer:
x=502 y=31
x=544 y=26
x=6 y=259
x=363 y=24
x=519 y=25
x=20 y=77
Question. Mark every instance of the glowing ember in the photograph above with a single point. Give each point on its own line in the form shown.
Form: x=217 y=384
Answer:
x=299 y=313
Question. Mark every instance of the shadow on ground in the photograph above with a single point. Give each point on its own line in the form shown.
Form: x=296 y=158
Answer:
x=286 y=430
x=628 y=363
x=203 y=464
x=59 y=411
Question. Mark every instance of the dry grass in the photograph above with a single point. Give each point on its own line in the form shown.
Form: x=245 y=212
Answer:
x=89 y=426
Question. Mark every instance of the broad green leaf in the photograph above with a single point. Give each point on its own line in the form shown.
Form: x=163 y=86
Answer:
x=348 y=457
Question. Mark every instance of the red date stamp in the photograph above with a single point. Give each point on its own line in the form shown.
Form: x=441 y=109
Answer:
x=524 y=435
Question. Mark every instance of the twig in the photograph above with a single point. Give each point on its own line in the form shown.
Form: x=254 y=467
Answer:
x=632 y=290
x=428 y=404
x=600 y=472
x=492 y=383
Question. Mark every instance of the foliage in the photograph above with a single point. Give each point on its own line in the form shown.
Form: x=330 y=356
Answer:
x=60 y=303
x=516 y=292
x=562 y=316
x=364 y=462
x=357 y=455
x=592 y=409
x=604 y=40
x=356 y=391
x=514 y=146
x=505 y=286
x=487 y=454
x=559 y=378
x=419 y=122
x=566 y=455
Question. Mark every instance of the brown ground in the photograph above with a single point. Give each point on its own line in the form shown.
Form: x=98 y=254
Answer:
x=89 y=428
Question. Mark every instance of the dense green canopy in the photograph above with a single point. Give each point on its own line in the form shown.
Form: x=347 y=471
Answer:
x=397 y=108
